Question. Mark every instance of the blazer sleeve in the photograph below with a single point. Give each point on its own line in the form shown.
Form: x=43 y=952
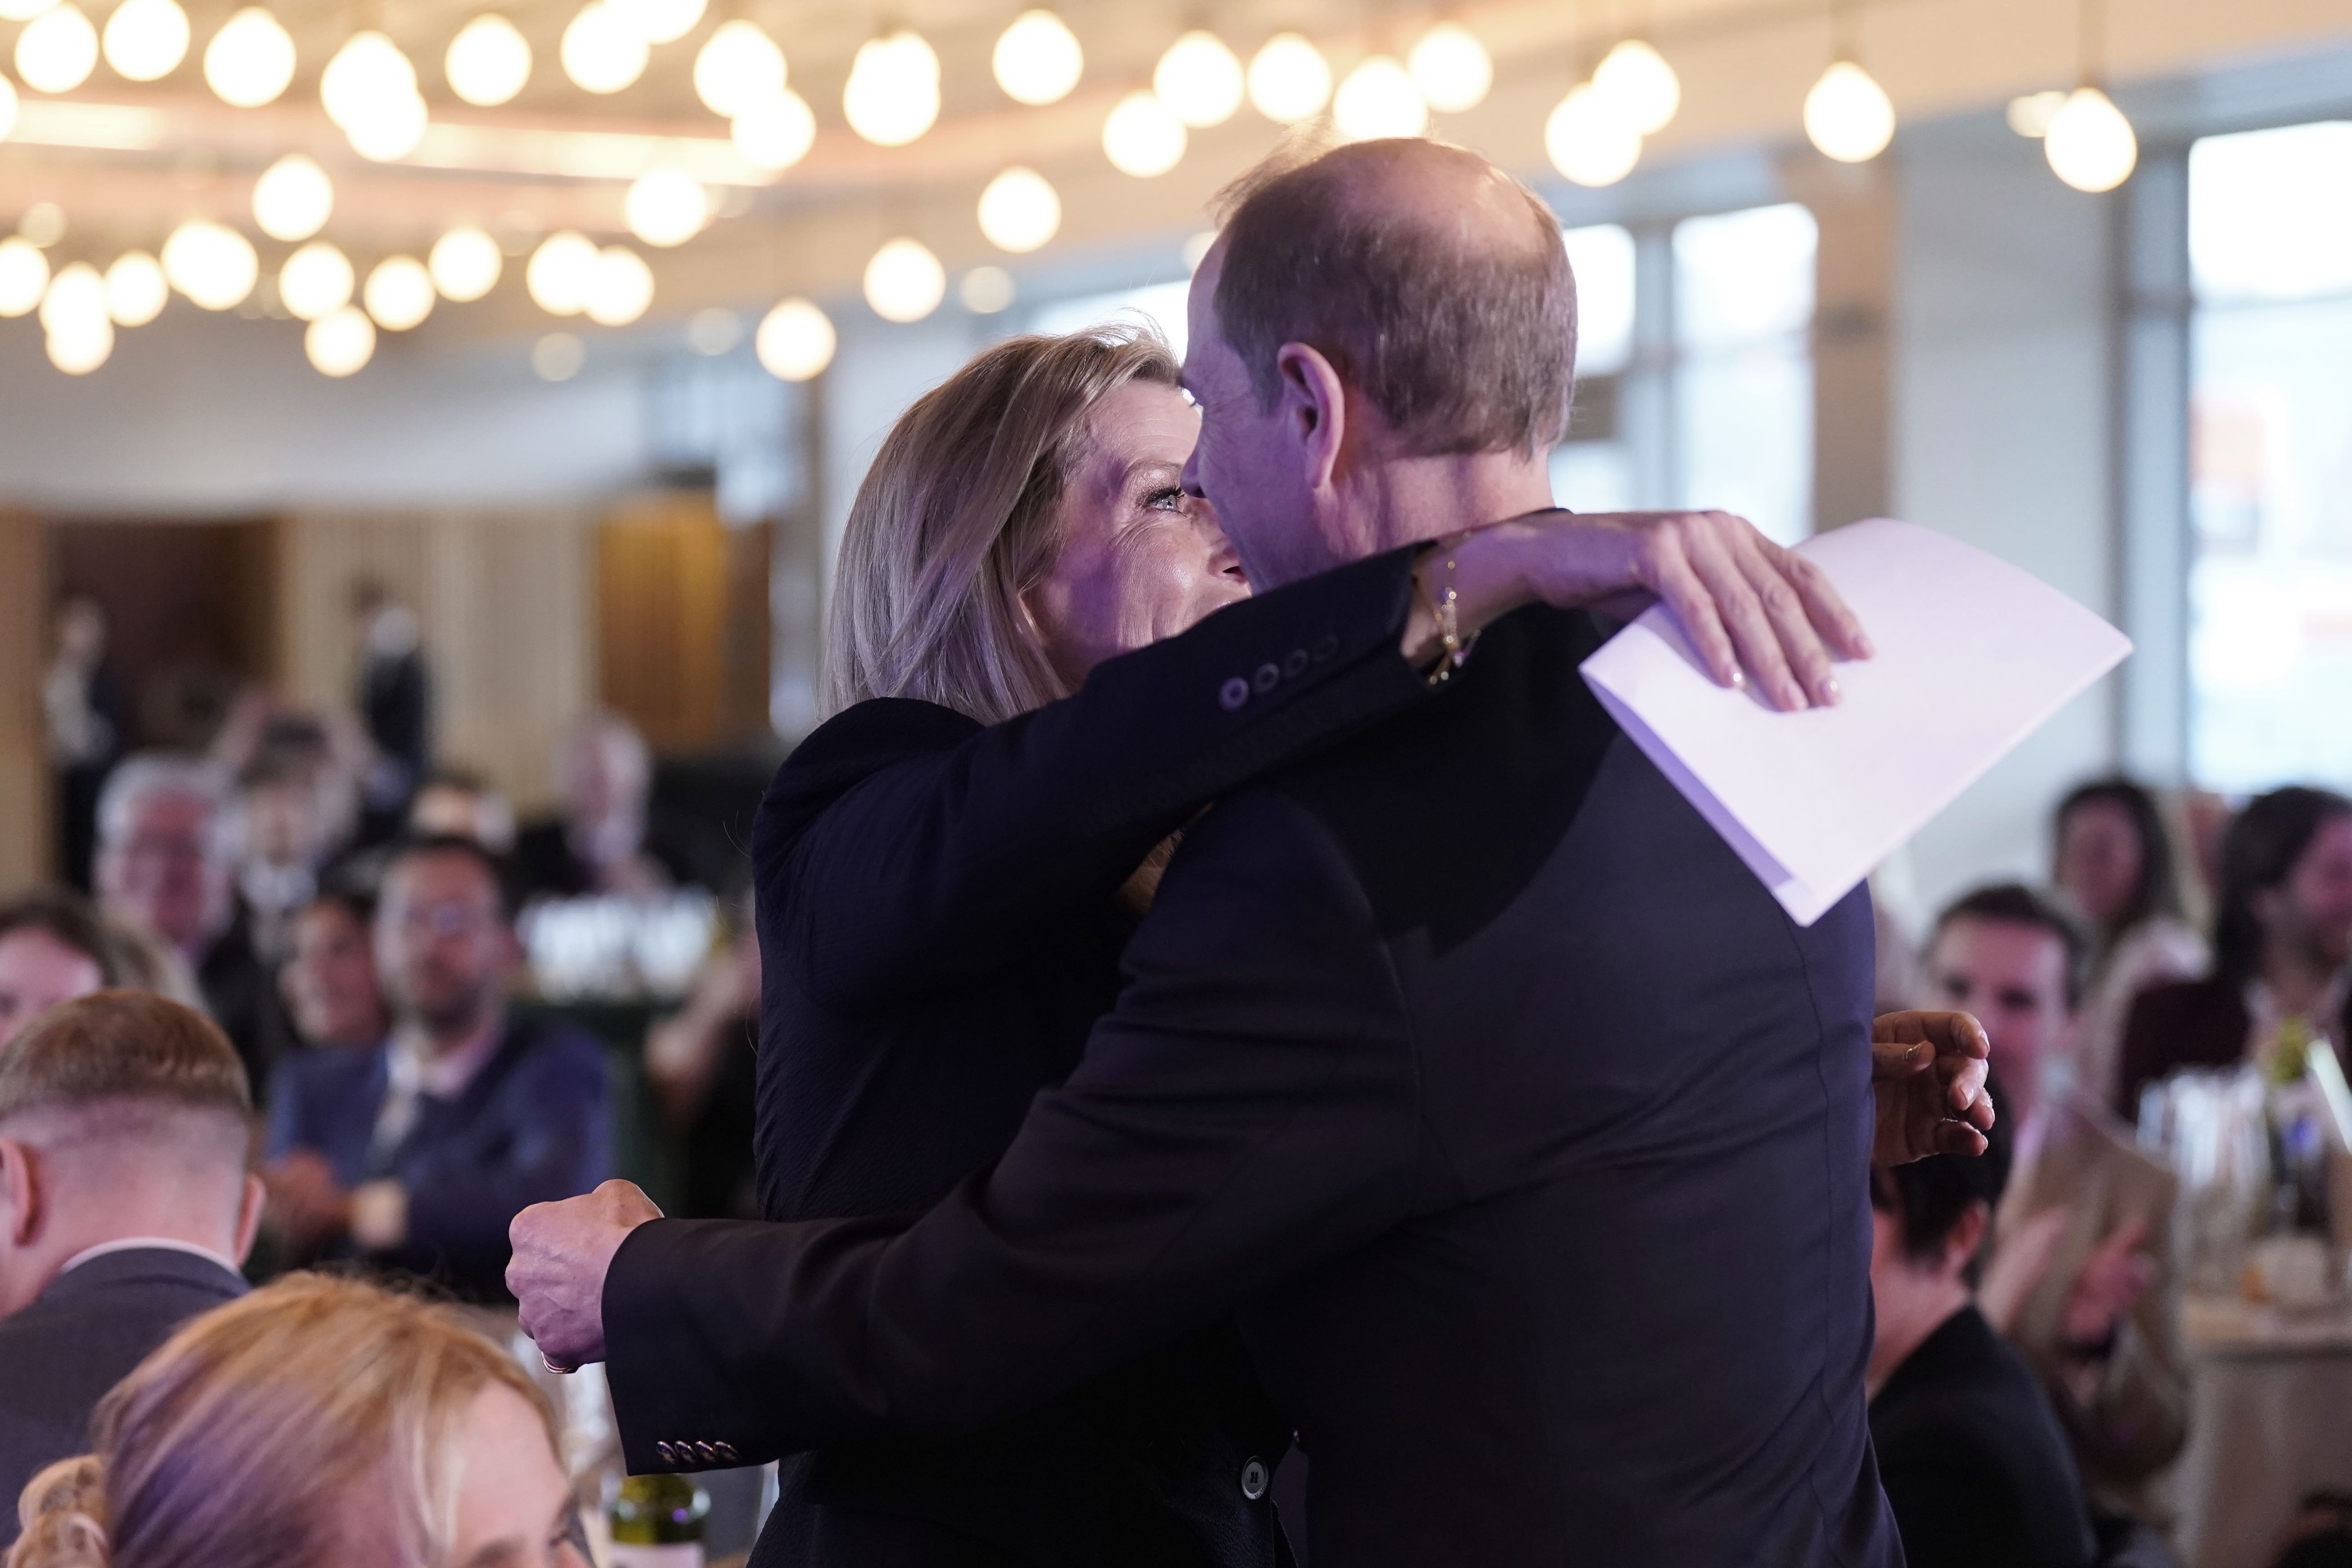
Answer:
x=1247 y=1112
x=876 y=872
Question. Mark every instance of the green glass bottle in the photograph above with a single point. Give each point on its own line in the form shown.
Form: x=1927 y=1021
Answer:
x=657 y=1522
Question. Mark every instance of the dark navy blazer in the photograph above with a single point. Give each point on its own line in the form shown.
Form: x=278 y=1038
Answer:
x=59 y=1354
x=533 y=1126
x=1525 y=1133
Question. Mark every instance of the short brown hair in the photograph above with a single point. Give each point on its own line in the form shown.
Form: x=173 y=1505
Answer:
x=117 y=1047
x=1464 y=347
x=69 y=920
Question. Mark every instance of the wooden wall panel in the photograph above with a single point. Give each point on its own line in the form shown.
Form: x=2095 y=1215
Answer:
x=683 y=621
x=24 y=767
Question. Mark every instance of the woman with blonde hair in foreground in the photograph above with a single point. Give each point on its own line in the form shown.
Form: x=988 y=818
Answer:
x=317 y=1423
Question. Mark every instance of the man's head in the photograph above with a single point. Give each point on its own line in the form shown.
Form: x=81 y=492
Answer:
x=121 y=1115
x=1386 y=302
x=2017 y=962
x=444 y=944
x=2286 y=885
x=453 y=800
x=53 y=948
x=1931 y=1217
x=166 y=859
x=604 y=773
x=329 y=977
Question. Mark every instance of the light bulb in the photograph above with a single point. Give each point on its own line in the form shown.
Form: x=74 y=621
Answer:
x=1451 y=68
x=211 y=263
x=893 y=94
x=79 y=349
x=1037 y=59
x=7 y=106
x=2090 y=144
x=367 y=73
x=250 y=60
x=44 y=224
x=488 y=61
x=465 y=264
x=340 y=343
x=146 y=39
x=775 y=133
x=1640 y=85
x=713 y=331
x=600 y=54
x=561 y=272
x=2031 y=114
x=795 y=340
x=399 y=293
x=24 y=276
x=136 y=288
x=389 y=130
x=1379 y=100
x=293 y=198
x=1847 y=115
x=74 y=300
x=1589 y=140
x=58 y=49
x=985 y=290
x=665 y=206
x=1288 y=79
x=737 y=67
x=904 y=281
x=1142 y=136
x=1199 y=79
x=316 y=281
x=558 y=356
x=622 y=287
x=1020 y=210
x=658 y=21
x=23 y=10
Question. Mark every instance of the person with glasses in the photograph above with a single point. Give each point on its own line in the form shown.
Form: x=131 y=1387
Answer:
x=414 y=1152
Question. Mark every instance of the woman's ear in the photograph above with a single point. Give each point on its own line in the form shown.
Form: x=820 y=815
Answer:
x=1313 y=410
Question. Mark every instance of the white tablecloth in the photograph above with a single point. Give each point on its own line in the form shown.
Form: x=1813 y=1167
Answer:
x=2270 y=1419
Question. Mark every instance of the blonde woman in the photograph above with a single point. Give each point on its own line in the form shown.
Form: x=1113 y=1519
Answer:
x=317 y=1423
x=940 y=872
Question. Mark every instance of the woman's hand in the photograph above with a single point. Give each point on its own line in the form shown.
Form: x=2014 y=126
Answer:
x=1743 y=600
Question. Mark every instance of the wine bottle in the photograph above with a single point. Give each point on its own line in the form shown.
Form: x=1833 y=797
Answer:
x=657 y=1522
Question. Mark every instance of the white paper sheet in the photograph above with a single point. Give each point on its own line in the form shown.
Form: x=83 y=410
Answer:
x=1972 y=655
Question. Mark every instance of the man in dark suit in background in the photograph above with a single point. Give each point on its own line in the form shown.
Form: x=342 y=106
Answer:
x=125 y=1208
x=1523 y=1134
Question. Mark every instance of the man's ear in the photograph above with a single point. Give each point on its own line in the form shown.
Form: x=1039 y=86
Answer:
x=248 y=1216
x=1314 y=407
x=1968 y=1234
x=20 y=1192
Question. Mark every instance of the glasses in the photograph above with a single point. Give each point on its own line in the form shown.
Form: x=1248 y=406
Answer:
x=443 y=920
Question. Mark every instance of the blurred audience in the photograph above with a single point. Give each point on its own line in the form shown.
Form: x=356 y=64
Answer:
x=286 y=831
x=329 y=979
x=82 y=711
x=394 y=697
x=702 y=1063
x=2081 y=1277
x=416 y=1151
x=319 y=1423
x=600 y=843
x=166 y=864
x=125 y=1207
x=2320 y=1535
x=2114 y=859
x=1976 y=1469
x=454 y=802
x=53 y=948
x=2281 y=947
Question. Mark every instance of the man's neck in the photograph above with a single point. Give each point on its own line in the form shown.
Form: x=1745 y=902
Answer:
x=1409 y=499
x=24 y=1276
x=434 y=1042
x=1904 y=1326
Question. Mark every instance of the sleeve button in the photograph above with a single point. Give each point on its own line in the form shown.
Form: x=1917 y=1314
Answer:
x=706 y=1453
x=1326 y=646
x=1267 y=674
x=1254 y=1477
x=1296 y=664
x=664 y=1453
x=726 y=1451
x=1233 y=694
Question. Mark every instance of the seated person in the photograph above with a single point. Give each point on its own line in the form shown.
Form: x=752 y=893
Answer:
x=319 y=1423
x=125 y=1208
x=2080 y=1276
x=604 y=841
x=329 y=979
x=415 y=1151
x=1975 y=1467
x=451 y=800
x=54 y=947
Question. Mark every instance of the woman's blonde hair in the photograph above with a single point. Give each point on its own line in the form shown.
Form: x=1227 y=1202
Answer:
x=958 y=518
x=258 y=1434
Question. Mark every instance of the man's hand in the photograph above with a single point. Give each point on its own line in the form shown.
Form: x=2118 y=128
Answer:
x=306 y=1201
x=1927 y=1072
x=2110 y=1284
x=562 y=1253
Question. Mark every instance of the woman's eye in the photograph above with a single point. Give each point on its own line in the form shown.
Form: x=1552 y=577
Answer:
x=1171 y=499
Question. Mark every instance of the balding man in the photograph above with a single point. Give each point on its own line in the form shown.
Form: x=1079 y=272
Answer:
x=1524 y=1135
x=125 y=1207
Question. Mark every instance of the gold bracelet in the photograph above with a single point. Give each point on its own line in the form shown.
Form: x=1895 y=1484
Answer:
x=1447 y=609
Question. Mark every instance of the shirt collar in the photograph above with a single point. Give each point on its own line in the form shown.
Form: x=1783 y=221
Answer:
x=146 y=1243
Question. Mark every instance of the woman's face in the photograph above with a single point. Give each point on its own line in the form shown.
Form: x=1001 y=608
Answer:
x=1141 y=558
x=2099 y=859
x=329 y=978
x=514 y=1507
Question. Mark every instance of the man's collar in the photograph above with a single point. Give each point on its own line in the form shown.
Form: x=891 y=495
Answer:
x=142 y=1244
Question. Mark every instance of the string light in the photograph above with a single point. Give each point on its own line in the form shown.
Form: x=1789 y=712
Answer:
x=399 y=293
x=2089 y=144
x=558 y=356
x=893 y=94
x=465 y=264
x=658 y=21
x=985 y=290
x=1640 y=85
x=74 y=317
x=316 y=281
x=904 y=281
x=1020 y=210
x=145 y=40
x=561 y=272
x=1377 y=99
x=211 y=263
x=44 y=224
x=488 y=61
x=136 y=288
x=1037 y=59
x=795 y=340
x=1199 y=79
x=1589 y=141
x=665 y=206
x=368 y=88
x=23 y=10
x=341 y=343
x=775 y=133
x=1451 y=68
x=293 y=198
x=24 y=276
x=738 y=66
x=622 y=289
x=1847 y=115
x=7 y=106
x=250 y=60
x=1142 y=136
x=58 y=49
x=600 y=54
x=1289 y=79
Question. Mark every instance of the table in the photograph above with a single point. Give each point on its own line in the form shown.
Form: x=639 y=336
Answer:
x=2270 y=1419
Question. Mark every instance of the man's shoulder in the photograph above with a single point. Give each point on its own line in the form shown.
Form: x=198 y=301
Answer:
x=324 y=1069
x=543 y=1049
x=846 y=749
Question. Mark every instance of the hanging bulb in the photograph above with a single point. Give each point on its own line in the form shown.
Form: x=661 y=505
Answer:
x=1640 y=85
x=488 y=61
x=1451 y=68
x=795 y=340
x=1199 y=79
x=7 y=106
x=622 y=289
x=136 y=288
x=1378 y=99
x=2089 y=144
x=737 y=67
x=665 y=206
x=211 y=263
x=893 y=94
x=1037 y=59
x=561 y=272
x=1142 y=136
x=145 y=40
x=1020 y=211
x=1589 y=140
x=58 y=49
x=600 y=53
x=905 y=282
x=316 y=281
x=658 y=21
x=399 y=293
x=775 y=133
x=367 y=73
x=23 y=10
x=1288 y=79
x=24 y=275
x=293 y=198
x=1848 y=115
x=340 y=344
x=465 y=264
x=250 y=60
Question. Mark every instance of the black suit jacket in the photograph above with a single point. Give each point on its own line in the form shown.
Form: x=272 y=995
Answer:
x=60 y=1354
x=1976 y=1466
x=1526 y=1132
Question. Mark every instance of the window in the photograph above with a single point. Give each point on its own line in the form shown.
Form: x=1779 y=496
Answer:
x=1595 y=470
x=2270 y=583
x=1159 y=303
